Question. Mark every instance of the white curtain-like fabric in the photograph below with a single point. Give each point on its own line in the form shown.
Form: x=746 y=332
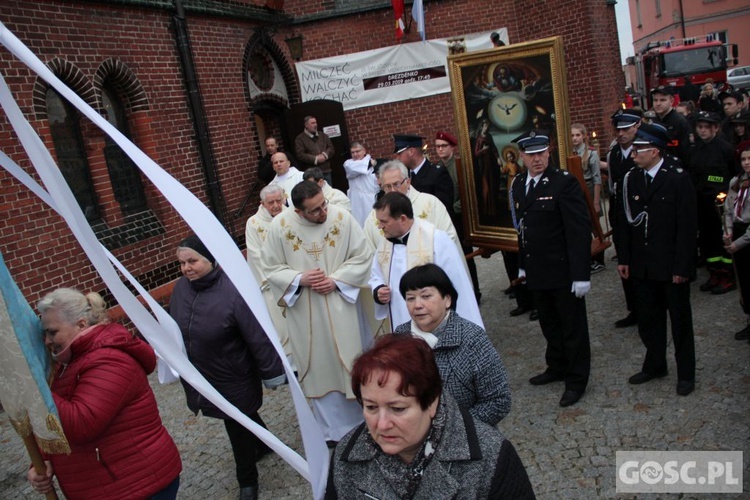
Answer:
x=159 y=329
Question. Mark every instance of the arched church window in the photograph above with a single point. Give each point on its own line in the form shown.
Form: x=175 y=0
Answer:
x=65 y=128
x=124 y=174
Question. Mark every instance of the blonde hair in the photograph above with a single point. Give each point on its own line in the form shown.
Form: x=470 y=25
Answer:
x=74 y=305
x=586 y=153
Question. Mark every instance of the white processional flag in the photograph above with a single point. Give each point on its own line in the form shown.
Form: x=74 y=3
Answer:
x=159 y=329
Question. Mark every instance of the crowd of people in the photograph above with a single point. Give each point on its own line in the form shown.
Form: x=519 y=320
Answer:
x=377 y=308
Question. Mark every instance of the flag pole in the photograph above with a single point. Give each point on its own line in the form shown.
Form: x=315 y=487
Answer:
x=38 y=462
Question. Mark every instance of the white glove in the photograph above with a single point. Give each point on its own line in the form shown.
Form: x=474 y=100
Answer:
x=522 y=273
x=273 y=383
x=581 y=288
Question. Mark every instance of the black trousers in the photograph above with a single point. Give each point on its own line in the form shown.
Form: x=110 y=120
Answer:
x=245 y=449
x=628 y=287
x=458 y=224
x=653 y=300
x=565 y=326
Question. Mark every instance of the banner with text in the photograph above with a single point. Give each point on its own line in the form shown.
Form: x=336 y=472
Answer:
x=391 y=74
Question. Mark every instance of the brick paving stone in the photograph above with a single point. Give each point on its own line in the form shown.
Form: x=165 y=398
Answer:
x=568 y=453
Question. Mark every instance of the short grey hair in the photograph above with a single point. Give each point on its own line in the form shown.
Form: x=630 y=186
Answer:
x=74 y=305
x=270 y=189
x=393 y=165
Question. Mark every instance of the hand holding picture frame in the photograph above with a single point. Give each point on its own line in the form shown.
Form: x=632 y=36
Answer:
x=498 y=95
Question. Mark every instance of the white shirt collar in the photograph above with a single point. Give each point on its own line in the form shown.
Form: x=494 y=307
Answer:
x=420 y=166
x=655 y=169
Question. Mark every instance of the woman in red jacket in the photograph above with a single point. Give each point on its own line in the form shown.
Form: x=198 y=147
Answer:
x=119 y=447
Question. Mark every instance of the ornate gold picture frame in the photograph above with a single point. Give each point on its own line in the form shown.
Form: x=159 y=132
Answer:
x=498 y=95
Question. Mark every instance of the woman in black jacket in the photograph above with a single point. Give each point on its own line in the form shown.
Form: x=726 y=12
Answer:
x=227 y=345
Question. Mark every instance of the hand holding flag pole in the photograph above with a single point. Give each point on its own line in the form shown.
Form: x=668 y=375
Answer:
x=24 y=366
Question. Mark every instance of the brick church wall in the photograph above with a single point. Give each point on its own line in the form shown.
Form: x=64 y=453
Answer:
x=35 y=242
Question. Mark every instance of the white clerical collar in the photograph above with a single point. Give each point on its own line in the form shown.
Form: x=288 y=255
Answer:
x=655 y=169
x=414 y=172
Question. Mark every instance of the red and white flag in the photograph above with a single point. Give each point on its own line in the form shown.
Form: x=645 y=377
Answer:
x=398 y=12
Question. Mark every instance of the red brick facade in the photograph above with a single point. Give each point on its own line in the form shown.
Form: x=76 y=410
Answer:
x=82 y=36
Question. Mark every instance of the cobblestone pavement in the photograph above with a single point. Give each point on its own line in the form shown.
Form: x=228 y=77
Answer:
x=568 y=453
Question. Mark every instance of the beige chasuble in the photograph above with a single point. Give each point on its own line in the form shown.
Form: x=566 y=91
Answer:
x=255 y=234
x=323 y=329
x=337 y=197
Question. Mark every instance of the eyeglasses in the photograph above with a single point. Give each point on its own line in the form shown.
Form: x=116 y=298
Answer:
x=636 y=151
x=317 y=211
x=392 y=187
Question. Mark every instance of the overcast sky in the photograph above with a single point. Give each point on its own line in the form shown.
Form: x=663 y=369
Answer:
x=623 y=28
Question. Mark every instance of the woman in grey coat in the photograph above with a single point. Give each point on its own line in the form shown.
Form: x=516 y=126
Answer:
x=470 y=367
x=416 y=443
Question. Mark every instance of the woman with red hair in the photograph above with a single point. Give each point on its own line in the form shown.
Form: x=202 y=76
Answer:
x=416 y=442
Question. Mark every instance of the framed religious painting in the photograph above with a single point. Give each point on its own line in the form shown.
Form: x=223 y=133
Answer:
x=498 y=95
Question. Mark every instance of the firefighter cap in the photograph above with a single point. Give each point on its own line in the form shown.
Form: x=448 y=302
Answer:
x=533 y=141
x=707 y=117
x=740 y=118
x=402 y=142
x=626 y=118
x=652 y=133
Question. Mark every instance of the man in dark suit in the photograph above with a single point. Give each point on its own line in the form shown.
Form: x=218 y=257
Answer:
x=425 y=177
x=677 y=125
x=619 y=161
x=550 y=213
x=656 y=250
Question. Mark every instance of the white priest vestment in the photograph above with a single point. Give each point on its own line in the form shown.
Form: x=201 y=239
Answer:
x=426 y=207
x=323 y=329
x=287 y=182
x=425 y=244
x=255 y=234
x=363 y=187
x=336 y=197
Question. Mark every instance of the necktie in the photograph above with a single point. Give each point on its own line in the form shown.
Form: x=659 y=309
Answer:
x=411 y=174
x=648 y=180
x=532 y=185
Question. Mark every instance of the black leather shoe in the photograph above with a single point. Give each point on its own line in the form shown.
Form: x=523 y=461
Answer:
x=570 y=398
x=249 y=493
x=627 y=321
x=743 y=334
x=643 y=377
x=534 y=315
x=518 y=311
x=685 y=387
x=544 y=378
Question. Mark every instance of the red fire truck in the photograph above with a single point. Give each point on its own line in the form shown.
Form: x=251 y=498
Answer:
x=669 y=62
